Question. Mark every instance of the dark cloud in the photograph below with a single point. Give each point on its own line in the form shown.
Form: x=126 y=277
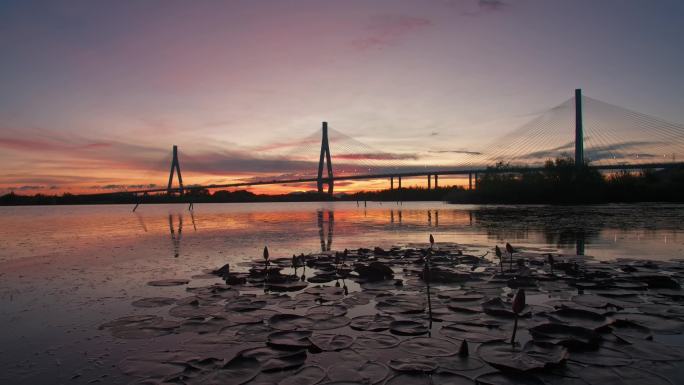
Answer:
x=47 y=145
x=491 y=4
x=386 y=30
x=377 y=156
x=116 y=187
x=483 y=6
x=466 y=152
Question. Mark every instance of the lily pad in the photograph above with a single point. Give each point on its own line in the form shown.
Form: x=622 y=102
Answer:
x=328 y=310
x=409 y=379
x=294 y=339
x=274 y=359
x=601 y=357
x=372 y=323
x=236 y=371
x=570 y=336
x=307 y=375
x=366 y=373
x=403 y=304
x=578 y=317
x=501 y=378
x=376 y=341
x=290 y=322
x=531 y=357
x=413 y=365
x=473 y=333
x=169 y=282
x=241 y=304
x=623 y=375
x=429 y=347
x=154 y=302
x=408 y=328
x=331 y=342
x=458 y=363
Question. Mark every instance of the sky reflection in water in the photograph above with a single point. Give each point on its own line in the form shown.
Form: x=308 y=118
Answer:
x=66 y=270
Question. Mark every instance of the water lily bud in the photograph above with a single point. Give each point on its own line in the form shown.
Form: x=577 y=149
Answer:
x=551 y=261
x=519 y=301
x=463 y=351
x=497 y=251
x=266 y=253
x=509 y=248
x=432 y=240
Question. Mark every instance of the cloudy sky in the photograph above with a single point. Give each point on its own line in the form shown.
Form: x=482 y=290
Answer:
x=94 y=93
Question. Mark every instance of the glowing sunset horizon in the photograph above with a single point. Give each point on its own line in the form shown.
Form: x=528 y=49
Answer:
x=95 y=95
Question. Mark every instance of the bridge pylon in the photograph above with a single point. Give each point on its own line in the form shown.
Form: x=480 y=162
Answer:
x=325 y=158
x=175 y=166
x=579 y=131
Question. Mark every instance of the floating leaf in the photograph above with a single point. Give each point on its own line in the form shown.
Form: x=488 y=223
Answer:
x=308 y=375
x=376 y=341
x=154 y=302
x=372 y=323
x=236 y=371
x=532 y=356
x=413 y=365
x=296 y=339
x=501 y=378
x=331 y=342
x=289 y=322
x=473 y=333
x=429 y=347
x=365 y=373
x=169 y=282
x=570 y=336
x=408 y=328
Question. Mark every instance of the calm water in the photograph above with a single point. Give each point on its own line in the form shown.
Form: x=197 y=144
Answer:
x=66 y=270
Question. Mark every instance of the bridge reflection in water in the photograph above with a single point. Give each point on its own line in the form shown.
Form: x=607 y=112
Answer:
x=489 y=225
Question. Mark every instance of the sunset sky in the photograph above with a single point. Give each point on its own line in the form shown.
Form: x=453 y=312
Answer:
x=93 y=94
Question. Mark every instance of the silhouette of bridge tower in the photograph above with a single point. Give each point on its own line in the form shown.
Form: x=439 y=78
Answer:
x=175 y=165
x=612 y=138
x=325 y=156
x=579 y=131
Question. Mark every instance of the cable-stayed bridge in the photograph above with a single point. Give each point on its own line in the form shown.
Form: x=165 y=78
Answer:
x=599 y=134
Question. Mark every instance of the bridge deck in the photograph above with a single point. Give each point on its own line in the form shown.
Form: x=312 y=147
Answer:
x=395 y=174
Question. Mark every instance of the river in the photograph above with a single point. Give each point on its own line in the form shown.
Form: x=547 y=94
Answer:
x=65 y=270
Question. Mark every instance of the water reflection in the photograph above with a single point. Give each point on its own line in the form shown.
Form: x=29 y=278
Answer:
x=176 y=236
x=326 y=243
x=606 y=231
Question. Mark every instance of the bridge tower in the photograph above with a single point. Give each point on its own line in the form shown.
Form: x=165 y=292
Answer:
x=325 y=157
x=175 y=166
x=579 y=131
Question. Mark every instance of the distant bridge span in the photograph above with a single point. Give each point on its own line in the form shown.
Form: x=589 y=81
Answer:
x=325 y=175
x=398 y=175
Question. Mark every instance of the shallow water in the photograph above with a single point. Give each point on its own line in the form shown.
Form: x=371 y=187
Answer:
x=66 y=270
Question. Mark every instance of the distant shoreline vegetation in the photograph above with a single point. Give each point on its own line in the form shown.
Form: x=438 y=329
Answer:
x=558 y=183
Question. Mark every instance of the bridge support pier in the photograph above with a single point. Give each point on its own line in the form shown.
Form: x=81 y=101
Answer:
x=470 y=181
x=399 y=183
x=579 y=131
x=175 y=167
x=391 y=183
x=429 y=181
x=475 y=181
x=436 y=181
x=325 y=156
